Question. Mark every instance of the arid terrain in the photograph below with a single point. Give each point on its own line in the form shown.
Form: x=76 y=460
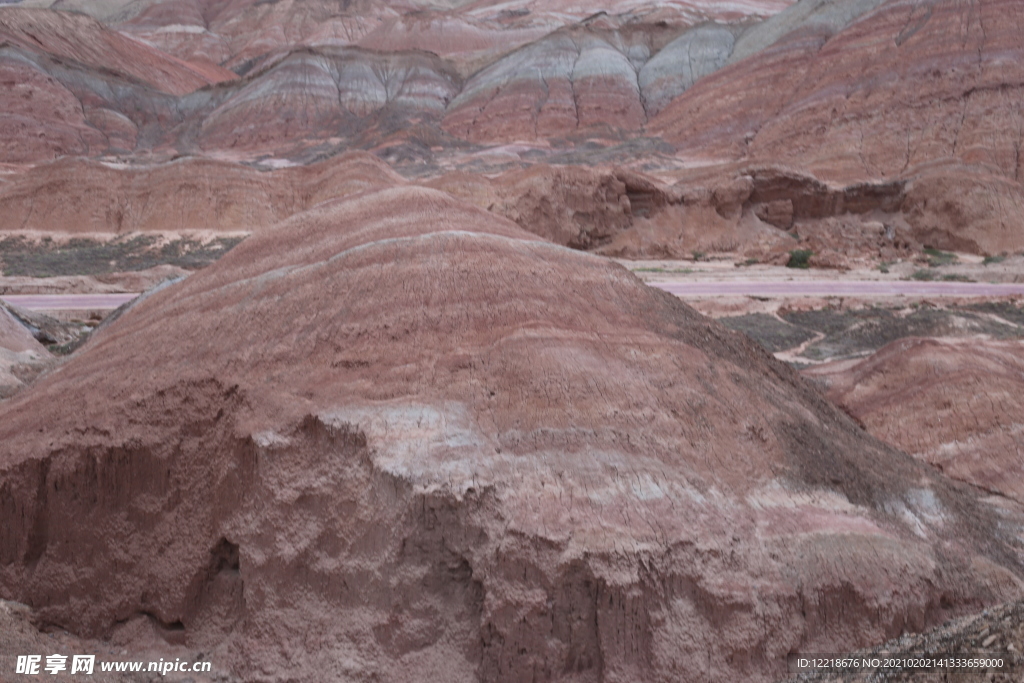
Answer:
x=511 y=341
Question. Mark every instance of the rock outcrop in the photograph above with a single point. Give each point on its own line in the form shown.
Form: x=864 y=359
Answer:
x=399 y=437
x=573 y=206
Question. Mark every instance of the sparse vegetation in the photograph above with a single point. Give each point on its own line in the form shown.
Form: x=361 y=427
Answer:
x=883 y=267
x=989 y=260
x=46 y=258
x=800 y=258
x=938 y=258
x=769 y=331
x=849 y=333
x=931 y=276
x=698 y=255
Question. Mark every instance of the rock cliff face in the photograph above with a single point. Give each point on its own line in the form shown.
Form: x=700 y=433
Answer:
x=320 y=73
x=567 y=81
x=398 y=437
x=954 y=403
x=236 y=31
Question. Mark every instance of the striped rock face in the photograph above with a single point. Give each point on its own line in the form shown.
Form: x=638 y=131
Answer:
x=898 y=87
x=397 y=437
x=328 y=94
x=866 y=91
x=244 y=79
x=83 y=40
x=599 y=76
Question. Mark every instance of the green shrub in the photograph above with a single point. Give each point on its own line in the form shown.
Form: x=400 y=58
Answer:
x=939 y=258
x=799 y=258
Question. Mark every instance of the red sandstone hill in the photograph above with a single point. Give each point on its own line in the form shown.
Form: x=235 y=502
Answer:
x=328 y=94
x=399 y=438
x=80 y=39
x=929 y=93
x=865 y=161
x=319 y=74
x=954 y=403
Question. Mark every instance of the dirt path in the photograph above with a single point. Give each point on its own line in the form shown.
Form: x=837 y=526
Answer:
x=698 y=288
x=68 y=302
x=850 y=288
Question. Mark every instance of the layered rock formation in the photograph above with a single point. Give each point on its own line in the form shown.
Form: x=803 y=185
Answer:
x=569 y=205
x=73 y=87
x=330 y=94
x=321 y=73
x=77 y=38
x=233 y=32
x=862 y=91
x=954 y=403
x=610 y=73
x=566 y=81
x=681 y=63
x=188 y=195
x=398 y=437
